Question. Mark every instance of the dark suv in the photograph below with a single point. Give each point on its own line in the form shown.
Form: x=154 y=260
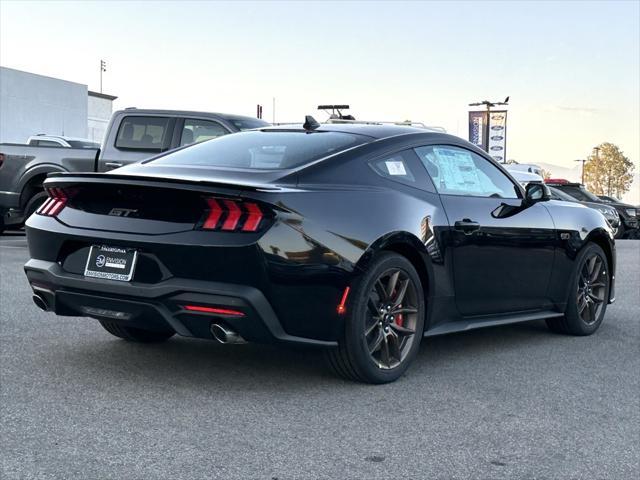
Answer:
x=628 y=213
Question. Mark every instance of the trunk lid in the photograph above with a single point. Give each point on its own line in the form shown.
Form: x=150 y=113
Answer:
x=162 y=204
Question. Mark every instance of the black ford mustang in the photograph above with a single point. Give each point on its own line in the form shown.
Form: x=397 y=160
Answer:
x=359 y=239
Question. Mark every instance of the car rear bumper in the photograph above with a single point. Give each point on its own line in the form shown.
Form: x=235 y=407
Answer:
x=161 y=305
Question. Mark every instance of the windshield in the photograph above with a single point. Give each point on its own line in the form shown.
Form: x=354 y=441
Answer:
x=581 y=193
x=560 y=195
x=271 y=150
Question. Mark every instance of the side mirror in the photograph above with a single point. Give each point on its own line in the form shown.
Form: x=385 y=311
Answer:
x=536 y=192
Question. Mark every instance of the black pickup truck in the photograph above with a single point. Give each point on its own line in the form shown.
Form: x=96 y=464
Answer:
x=132 y=135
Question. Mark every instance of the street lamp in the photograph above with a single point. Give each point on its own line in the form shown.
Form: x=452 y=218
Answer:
x=103 y=68
x=489 y=104
x=583 y=160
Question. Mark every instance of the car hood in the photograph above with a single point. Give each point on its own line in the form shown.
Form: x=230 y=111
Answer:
x=598 y=205
x=620 y=204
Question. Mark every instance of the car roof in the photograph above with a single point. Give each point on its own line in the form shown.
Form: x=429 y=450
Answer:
x=376 y=131
x=185 y=113
x=44 y=136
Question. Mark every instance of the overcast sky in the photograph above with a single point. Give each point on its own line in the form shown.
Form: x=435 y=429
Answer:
x=572 y=69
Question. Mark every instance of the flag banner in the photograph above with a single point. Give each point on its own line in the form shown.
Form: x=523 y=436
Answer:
x=478 y=124
x=497 y=136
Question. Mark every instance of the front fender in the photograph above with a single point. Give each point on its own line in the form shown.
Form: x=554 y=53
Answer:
x=576 y=227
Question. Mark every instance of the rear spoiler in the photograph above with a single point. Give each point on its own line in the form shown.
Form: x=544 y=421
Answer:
x=60 y=178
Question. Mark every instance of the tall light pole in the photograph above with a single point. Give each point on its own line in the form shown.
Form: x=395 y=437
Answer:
x=596 y=150
x=583 y=160
x=489 y=104
x=103 y=68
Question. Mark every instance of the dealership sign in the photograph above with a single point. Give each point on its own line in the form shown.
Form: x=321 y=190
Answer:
x=488 y=131
x=478 y=129
x=497 y=141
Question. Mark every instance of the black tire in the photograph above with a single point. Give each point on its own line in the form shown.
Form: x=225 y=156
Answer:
x=352 y=358
x=578 y=318
x=34 y=203
x=135 y=334
x=620 y=232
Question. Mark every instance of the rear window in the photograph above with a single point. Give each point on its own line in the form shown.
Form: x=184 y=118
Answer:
x=45 y=143
x=143 y=133
x=83 y=144
x=247 y=123
x=272 y=150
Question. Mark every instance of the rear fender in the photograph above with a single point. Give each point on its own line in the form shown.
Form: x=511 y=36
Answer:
x=407 y=245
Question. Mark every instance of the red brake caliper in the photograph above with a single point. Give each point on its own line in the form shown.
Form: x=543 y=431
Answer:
x=400 y=318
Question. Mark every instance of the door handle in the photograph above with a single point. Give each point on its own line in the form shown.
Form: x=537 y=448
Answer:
x=113 y=164
x=467 y=226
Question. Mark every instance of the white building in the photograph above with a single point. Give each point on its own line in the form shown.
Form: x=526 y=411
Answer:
x=32 y=104
x=99 y=110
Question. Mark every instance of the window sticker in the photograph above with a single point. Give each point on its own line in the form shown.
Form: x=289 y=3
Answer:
x=458 y=171
x=395 y=167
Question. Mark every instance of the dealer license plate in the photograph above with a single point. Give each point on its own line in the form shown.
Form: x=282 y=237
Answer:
x=112 y=263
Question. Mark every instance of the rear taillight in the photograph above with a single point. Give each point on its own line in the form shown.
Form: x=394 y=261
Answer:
x=55 y=203
x=232 y=216
x=1 y=159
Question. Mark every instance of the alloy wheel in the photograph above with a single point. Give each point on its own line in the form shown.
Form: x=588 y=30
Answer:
x=392 y=316
x=592 y=288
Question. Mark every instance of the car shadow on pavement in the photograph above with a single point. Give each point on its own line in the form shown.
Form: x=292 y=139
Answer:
x=191 y=362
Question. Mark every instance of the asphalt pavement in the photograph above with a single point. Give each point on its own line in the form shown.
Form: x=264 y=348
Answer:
x=508 y=402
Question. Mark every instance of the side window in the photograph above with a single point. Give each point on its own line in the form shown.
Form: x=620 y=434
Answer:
x=395 y=167
x=196 y=131
x=143 y=133
x=456 y=171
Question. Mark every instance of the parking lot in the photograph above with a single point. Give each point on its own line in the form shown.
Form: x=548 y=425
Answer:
x=516 y=401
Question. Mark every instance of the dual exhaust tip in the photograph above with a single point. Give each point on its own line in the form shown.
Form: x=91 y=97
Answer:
x=225 y=335
x=221 y=333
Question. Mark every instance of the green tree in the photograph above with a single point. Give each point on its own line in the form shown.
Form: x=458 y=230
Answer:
x=607 y=171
